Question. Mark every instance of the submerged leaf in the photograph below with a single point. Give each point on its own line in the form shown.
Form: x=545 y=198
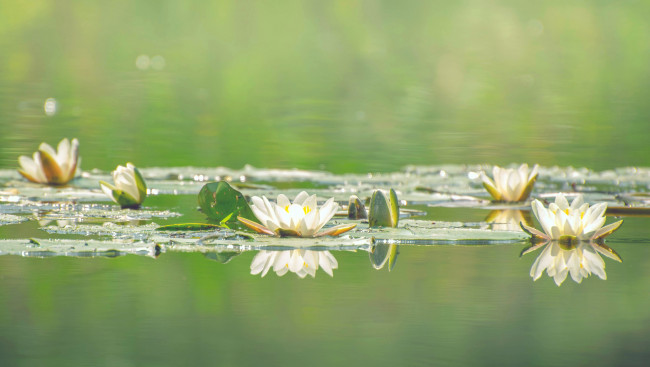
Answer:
x=221 y=202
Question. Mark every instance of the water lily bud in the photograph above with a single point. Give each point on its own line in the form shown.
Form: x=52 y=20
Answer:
x=130 y=189
x=384 y=211
x=356 y=209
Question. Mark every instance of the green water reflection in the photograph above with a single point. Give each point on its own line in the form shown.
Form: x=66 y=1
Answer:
x=182 y=309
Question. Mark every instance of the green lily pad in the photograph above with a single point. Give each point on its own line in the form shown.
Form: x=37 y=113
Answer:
x=189 y=227
x=221 y=202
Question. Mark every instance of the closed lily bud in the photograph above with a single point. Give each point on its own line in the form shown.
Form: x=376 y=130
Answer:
x=129 y=190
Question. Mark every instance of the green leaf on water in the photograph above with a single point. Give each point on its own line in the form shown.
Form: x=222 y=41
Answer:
x=189 y=227
x=221 y=202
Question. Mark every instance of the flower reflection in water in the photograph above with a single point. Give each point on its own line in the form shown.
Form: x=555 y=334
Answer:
x=509 y=219
x=579 y=259
x=299 y=261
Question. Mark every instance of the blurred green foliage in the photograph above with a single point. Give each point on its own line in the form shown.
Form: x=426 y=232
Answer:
x=340 y=85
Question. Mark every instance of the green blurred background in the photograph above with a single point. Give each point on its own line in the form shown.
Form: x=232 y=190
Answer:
x=337 y=85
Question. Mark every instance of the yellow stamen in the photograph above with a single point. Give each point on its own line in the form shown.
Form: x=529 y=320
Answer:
x=287 y=208
x=306 y=209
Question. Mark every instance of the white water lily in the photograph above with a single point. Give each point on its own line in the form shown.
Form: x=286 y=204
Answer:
x=302 y=218
x=51 y=167
x=565 y=222
x=299 y=261
x=580 y=261
x=510 y=184
x=130 y=189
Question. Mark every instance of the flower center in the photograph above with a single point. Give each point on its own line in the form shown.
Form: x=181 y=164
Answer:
x=305 y=209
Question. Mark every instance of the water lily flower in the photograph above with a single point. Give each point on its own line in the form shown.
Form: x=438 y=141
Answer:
x=51 y=167
x=569 y=223
x=510 y=184
x=302 y=218
x=580 y=260
x=130 y=189
x=299 y=261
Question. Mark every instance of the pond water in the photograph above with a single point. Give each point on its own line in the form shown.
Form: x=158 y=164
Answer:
x=336 y=98
x=82 y=279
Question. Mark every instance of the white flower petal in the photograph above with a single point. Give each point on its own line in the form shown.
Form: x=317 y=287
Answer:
x=300 y=198
x=47 y=148
x=283 y=201
x=533 y=172
x=561 y=202
x=258 y=206
x=577 y=202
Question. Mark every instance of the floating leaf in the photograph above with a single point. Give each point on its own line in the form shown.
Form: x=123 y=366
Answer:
x=221 y=202
x=189 y=227
x=628 y=211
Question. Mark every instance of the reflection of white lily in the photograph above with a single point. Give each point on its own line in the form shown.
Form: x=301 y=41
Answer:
x=51 y=167
x=508 y=219
x=510 y=184
x=565 y=222
x=59 y=222
x=302 y=218
x=299 y=261
x=580 y=261
x=130 y=189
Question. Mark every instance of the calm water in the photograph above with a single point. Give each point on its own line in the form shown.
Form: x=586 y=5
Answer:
x=340 y=86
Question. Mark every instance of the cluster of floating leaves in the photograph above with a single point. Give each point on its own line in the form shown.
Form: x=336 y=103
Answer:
x=82 y=209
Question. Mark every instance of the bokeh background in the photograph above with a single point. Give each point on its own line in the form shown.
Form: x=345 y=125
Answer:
x=346 y=86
